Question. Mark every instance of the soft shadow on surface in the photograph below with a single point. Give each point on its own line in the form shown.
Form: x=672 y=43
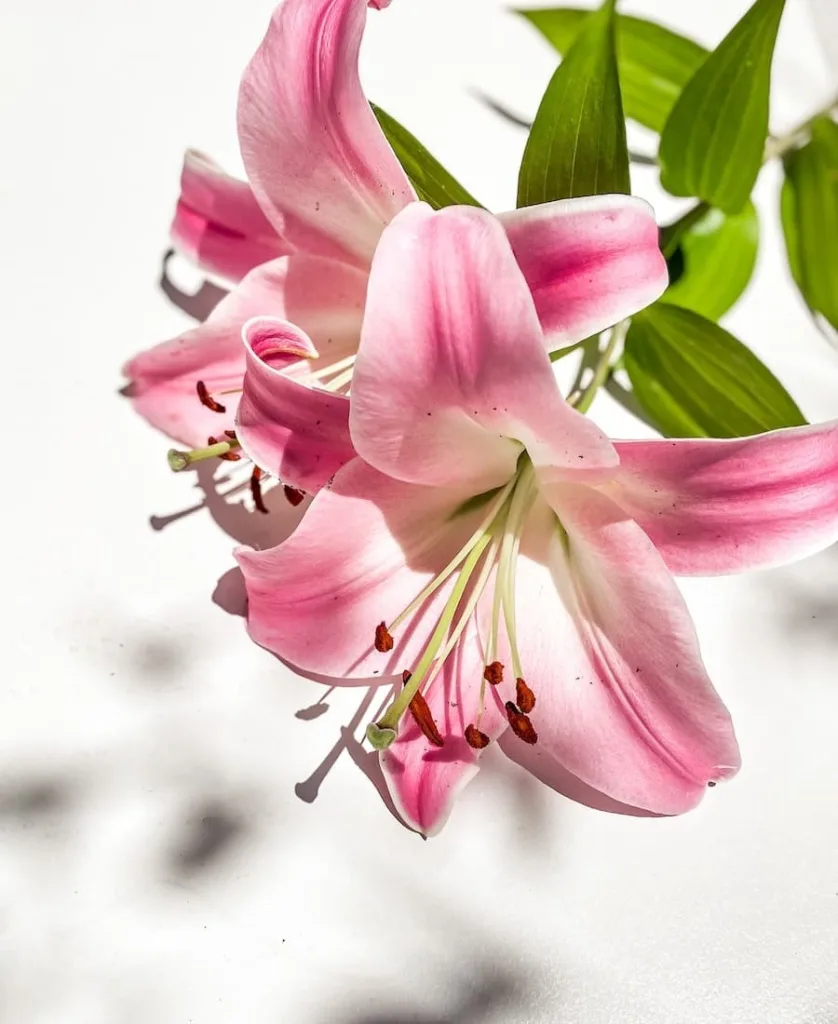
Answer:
x=221 y=493
x=545 y=771
x=208 y=835
x=197 y=304
x=308 y=790
x=29 y=798
x=805 y=599
x=491 y=989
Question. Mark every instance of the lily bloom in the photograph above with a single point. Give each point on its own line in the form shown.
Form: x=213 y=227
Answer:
x=510 y=564
x=299 y=239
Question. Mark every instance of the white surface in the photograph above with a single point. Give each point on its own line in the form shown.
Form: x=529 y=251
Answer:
x=132 y=706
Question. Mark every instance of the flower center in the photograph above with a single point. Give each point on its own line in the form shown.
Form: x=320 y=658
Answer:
x=491 y=552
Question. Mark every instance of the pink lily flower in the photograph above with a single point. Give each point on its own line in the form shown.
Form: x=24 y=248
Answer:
x=515 y=564
x=299 y=239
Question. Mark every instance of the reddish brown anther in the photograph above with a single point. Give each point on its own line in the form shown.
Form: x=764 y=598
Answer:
x=475 y=738
x=227 y=456
x=493 y=673
x=425 y=720
x=520 y=724
x=524 y=697
x=293 y=495
x=383 y=640
x=256 y=490
x=207 y=399
x=231 y=434
x=406 y=677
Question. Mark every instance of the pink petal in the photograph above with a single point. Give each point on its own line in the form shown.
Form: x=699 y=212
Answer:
x=324 y=297
x=366 y=548
x=218 y=224
x=713 y=506
x=608 y=647
x=452 y=363
x=298 y=432
x=424 y=779
x=589 y=262
x=318 y=162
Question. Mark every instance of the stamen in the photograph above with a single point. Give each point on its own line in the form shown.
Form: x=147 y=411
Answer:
x=425 y=720
x=493 y=673
x=521 y=725
x=180 y=460
x=505 y=584
x=383 y=638
x=293 y=495
x=475 y=738
x=499 y=532
x=206 y=398
x=393 y=715
x=340 y=381
x=471 y=604
x=331 y=369
x=226 y=456
x=256 y=490
x=524 y=697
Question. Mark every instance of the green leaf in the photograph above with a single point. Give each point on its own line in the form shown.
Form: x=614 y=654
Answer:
x=694 y=379
x=809 y=207
x=716 y=259
x=433 y=184
x=577 y=143
x=713 y=142
x=654 y=63
x=791 y=233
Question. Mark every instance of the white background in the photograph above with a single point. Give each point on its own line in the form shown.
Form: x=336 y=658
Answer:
x=157 y=865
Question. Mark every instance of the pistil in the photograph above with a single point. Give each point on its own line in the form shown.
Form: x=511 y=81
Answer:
x=391 y=718
x=493 y=547
x=180 y=460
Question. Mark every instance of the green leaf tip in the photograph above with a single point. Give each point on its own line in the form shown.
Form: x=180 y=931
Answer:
x=577 y=143
x=713 y=142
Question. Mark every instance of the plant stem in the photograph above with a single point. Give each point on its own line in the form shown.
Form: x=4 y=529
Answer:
x=780 y=146
x=671 y=233
x=582 y=400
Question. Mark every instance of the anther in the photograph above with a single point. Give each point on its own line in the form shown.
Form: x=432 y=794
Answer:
x=256 y=490
x=227 y=456
x=425 y=720
x=493 y=673
x=520 y=724
x=293 y=495
x=207 y=399
x=383 y=639
x=475 y=738
x=524 y=697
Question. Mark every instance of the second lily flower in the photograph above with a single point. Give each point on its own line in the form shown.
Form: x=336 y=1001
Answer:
x=299 y=239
